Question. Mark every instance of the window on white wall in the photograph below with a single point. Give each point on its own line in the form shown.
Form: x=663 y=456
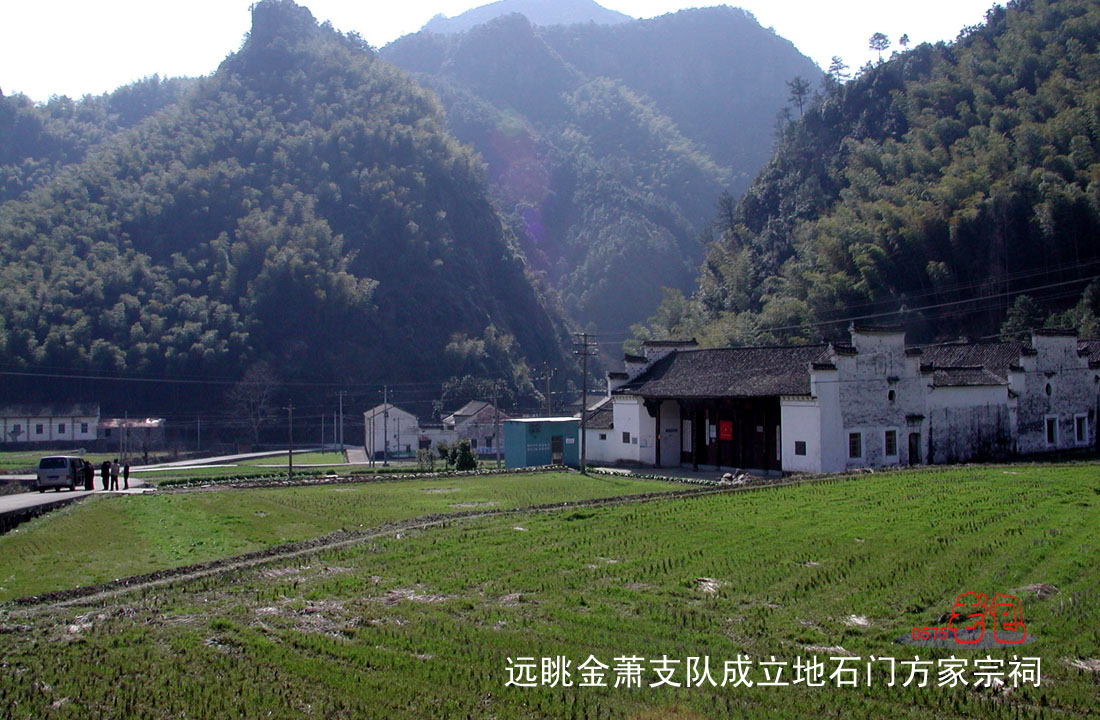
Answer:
x=891 y=443
x=83 y=427
x=38 y=429
x=603 y=436
x=61 y=428
x=1052 y=430
x=1081 y=429
x=626 y=438
x=855 y=445
x=799 y=447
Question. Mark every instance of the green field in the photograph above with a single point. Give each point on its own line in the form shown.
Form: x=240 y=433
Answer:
x=110 y=536
x=423 y=624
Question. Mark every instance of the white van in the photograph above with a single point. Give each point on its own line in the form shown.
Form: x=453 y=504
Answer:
x=60 y=471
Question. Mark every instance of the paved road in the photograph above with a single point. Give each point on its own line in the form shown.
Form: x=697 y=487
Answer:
x=23 y=501
x=220 y=460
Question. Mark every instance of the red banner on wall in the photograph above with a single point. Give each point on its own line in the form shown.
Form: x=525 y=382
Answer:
x=725 y=430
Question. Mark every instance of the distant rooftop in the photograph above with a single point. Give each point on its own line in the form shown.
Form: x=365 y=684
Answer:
x=60 y=410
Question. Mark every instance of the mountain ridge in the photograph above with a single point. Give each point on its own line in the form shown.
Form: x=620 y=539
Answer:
x=538 y=12
x=303 y=207
x=951 y=189
x=590 y=144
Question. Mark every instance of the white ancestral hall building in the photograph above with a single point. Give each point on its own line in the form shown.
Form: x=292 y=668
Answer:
x=873 y=402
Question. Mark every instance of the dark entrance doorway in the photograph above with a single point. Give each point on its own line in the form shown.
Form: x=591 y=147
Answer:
x=557 y=450
x=914 y=449
x=734 y=433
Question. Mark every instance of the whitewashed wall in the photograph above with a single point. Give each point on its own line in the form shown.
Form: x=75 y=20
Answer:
x=1055 y=382
x=800 y=421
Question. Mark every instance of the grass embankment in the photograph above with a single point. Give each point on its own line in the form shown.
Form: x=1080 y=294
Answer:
x=421 y=625
x=108 y=537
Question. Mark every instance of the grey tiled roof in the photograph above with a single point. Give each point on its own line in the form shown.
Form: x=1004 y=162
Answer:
x=64 y=410
x=1091 y=349
x=602 y=418
x=996 y=357
x=967 y=376
x=690 y=342
x=729 y=372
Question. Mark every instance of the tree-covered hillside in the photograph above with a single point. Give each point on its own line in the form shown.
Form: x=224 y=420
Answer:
x=38 y=140
x=606 y=145
x=933 y=190
x=303 y=207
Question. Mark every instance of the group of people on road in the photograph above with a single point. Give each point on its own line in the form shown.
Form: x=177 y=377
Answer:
x=109 y=471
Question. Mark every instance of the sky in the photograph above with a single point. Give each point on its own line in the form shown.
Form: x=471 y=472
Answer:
x=77 y=47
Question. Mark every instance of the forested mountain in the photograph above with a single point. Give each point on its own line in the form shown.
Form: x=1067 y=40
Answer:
x=539 y=12
x=607 y=145
x=304 y=207
x=932 y=190
x=37 y=140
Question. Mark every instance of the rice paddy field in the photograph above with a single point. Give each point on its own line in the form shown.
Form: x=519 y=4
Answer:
x=442 y=622
x=114 y=536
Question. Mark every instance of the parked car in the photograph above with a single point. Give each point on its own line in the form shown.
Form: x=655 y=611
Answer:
x=60 y=471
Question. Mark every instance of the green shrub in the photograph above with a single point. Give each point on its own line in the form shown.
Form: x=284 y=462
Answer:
x=463 y=456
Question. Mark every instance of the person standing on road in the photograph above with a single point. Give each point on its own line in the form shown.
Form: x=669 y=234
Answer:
x=89 y=476
x=105 y=472
x=126 y=475
x=114 y=474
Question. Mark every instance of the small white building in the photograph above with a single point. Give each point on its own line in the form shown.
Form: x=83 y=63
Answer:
x=389 y=429
x=76 y=423
x=128 y=436
x=601 y=441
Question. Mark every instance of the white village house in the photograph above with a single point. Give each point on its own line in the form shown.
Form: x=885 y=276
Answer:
x=477 y=421
x=49 y=423
x=873 y=402
x=388 y=428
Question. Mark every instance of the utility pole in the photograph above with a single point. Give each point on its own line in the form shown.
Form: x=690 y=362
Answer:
x=290 y=441
x=496 y=422
x=198 y=433
x=370 y=441
x=341 y=395
x=385 y=425
x=322 y=432
x=586 y=348
x=547 y=374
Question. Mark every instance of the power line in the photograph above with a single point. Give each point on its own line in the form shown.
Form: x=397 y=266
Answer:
x=943 y=290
